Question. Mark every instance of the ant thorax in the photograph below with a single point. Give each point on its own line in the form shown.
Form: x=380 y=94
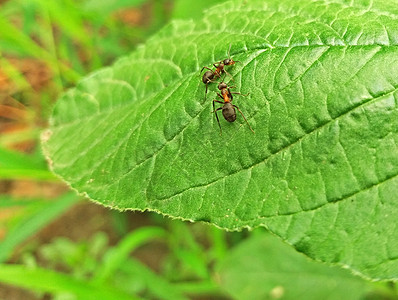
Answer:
x=224 y=92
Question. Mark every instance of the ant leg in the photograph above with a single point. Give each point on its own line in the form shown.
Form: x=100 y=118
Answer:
x=218 y=94
x=217 y=63
x=210 y=81
x=236 y=93
x=229 y=75
x=206 y=92
x=244 y=118
x=205 y=68
x=217 y=74
x=215 y=111
x=219 y=107
x=223 y=80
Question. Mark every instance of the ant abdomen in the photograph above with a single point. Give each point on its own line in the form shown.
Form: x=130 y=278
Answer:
x=207 y=77
x=228 y=112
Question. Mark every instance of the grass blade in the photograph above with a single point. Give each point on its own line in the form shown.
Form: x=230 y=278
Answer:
x=117 y=256
x=53 y=282
x=33 y=223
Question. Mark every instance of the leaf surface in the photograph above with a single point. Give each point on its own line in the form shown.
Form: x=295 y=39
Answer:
x=273 y=270
x=320 y=170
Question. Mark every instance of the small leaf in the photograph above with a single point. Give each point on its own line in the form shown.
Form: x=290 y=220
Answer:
x=321 y=169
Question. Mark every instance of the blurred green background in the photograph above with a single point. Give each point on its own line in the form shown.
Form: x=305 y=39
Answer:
x=45 y=48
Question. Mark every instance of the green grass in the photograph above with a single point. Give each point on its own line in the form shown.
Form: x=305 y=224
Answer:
x=71 y=39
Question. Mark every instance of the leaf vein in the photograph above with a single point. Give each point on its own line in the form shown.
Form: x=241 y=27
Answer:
x=296 y=142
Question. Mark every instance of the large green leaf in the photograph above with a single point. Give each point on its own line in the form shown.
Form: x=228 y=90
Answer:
x=275 y=271
x=320 y=170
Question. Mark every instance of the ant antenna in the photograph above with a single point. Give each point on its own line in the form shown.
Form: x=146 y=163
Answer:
x=229 y=50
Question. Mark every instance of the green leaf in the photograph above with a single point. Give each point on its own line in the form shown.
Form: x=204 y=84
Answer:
x=320 y=170
x=274 y=271
x=54 y=282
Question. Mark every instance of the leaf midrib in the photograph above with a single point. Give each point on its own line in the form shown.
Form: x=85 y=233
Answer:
x=365 y=102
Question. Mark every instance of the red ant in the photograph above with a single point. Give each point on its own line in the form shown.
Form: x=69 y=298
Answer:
x=209 y=75
x=228 y=109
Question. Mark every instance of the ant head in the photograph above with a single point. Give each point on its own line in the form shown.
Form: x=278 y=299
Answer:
x=222 y=85
x=229 y=62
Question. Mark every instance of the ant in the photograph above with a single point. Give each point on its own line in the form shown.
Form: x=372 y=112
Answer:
x=228 y=109
x=209 y=75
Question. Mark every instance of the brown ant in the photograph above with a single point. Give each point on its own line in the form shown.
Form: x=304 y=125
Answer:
x=209 y=75
x=228 y=109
